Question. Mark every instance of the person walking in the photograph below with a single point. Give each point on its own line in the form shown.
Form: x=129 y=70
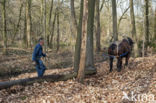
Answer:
x=36 y=57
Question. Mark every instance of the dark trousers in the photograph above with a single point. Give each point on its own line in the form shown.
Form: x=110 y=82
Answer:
x=40 y=67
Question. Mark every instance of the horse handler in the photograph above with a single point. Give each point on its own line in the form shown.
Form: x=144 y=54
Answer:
x=36 y=57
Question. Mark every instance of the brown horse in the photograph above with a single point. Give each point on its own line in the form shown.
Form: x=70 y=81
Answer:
x=120 y=50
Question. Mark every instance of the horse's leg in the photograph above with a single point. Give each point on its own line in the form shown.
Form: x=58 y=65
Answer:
x=127 y=58
x=111 y=63
x=119 y=64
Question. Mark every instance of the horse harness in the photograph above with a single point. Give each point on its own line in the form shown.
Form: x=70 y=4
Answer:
x=124 y=54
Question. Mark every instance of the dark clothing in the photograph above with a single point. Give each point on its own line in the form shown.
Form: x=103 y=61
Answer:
x=40 y=67
x=37 y=54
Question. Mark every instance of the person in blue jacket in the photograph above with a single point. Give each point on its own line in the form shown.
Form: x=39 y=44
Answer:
x=36 y=57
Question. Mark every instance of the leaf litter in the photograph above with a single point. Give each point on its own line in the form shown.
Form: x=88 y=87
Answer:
x=104 y=87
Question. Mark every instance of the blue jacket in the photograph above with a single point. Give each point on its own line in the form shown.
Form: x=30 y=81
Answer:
x=38 y=52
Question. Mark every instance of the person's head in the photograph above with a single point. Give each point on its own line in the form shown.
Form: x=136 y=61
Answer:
x=41 y=41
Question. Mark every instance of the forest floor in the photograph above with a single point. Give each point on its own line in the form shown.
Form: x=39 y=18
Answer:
x=137 y=81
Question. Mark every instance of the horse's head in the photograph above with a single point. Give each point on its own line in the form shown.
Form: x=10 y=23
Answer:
x=130 y=41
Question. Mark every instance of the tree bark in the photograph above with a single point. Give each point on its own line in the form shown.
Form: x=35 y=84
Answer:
x=53 y=28
x=80 y=76
x=18 y=23
x=25 y=27
x=45 y=24
x=101 y=7
x=4 y=28
x=114 y=16
x=133 y=28
x=146 y=23
x=73 y=16
x=98 y=31
x=28 y=22
x=50 y=16
x=90 y=29
x=155 y=26
x=49 y=78
x=78 y=40
x=58 y=31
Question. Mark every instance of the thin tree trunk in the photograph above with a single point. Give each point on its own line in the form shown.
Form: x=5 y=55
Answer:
x=122 y=17
x=50 y=16
x=101 y=7
x=4 y=28
x=146 y=23
x=28 y=22
x=45 y=25
x=41 y=16
x=80 y=76
x=58 y=31
x=133 y=30
x=98 y=31
x=155 y=26
x=18 y=23
x=73 y=16
x=90 y=29
x=78 y=40
x=114 y=14
x=25 y=27
x=53 y=28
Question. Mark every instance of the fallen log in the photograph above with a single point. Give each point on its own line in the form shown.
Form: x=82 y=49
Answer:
x=49 y=78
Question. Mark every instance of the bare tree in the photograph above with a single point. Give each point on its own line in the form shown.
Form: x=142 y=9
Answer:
x=133 y=30
x=155 y=25
x=90 y=29
x=18 y=23
x=4 y=27
x=81 y=73
x=114 y=14
x=45 y=23
x=73 y=15
x=50 y=22
x=58 y=31
x=53 y=28
x=28 y=22
x=98 y=30
x=146 y=23
x=78 y=40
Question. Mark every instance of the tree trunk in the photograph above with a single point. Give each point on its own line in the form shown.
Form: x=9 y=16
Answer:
x=4 y=28
x=146 y=23
x=78 y=40
x=114 y=16
x=80 y=76
x=101 y=7
x=122 y=17
x=73 y=16
x=18 y=23
x=58 y=31
x=98 y=31
x=53 y=28
x=133 y=30
x=25 y=27
x=49 y=78
x=41 y=17
x=45 y=24
x=28 y=22
x=50 y=16
x=155 y=26
x=90 y=29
